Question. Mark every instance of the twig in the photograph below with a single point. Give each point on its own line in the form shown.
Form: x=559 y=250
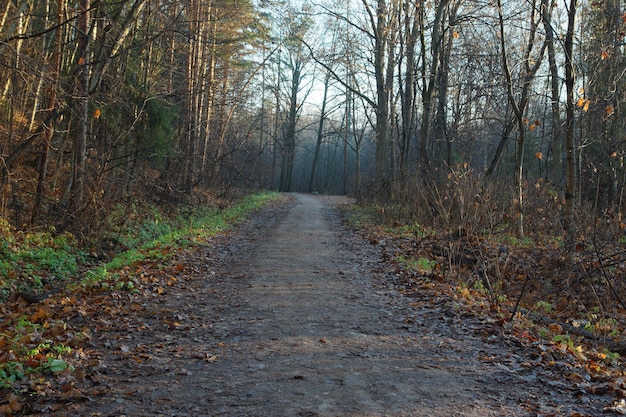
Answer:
x=604 y=273
x=519 y=300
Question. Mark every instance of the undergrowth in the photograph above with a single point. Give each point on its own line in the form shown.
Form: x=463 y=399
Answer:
x=35 y=344
x=31 y=260
x=163 y=237
x=462 y=231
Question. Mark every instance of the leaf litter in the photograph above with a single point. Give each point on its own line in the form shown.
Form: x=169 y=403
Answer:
x=129 y=344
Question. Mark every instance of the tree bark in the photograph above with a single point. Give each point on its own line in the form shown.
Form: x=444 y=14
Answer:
x=49 y=127
x=430 y=76
x=320 y=134
x=79 y=148
x=557 y=157
x=382 y=98
x=290 y=130
x=570 y=191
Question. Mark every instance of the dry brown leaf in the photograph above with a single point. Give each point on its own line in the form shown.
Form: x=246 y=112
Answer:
x=5 y=411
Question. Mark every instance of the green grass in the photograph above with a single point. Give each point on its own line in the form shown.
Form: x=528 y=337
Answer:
x=27 y=259
x=26 y=357
x=162 y=238
x=30 y=259
x=420 y=264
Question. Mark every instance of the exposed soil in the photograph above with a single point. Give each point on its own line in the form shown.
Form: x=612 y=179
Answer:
x=292 y=315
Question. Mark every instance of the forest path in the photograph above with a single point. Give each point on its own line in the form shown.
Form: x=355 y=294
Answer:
x=314 y=337
x=295 y=321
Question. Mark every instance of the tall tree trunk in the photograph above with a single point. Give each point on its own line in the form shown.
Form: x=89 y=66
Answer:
x=519 y=108
x=290 y=131
x=211 y=82
x=51 y=108
x=429 y=79
x=79 y=149
x=440 y=125
x=380 y=31
x=193 y=97
x=277 y=123
x=570 y=191
x=557 y=157
x=320 y=134
x=412 y=25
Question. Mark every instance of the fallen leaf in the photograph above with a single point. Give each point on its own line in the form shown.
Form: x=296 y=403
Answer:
x=13 y=402
x=555 y=328
x=40 y=315
x=617 y=407
x=5 y=411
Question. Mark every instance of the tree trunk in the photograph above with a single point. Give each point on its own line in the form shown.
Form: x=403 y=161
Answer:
x=79 y=148
x=290 y=130
x=379 y=27
x=519 y=108
x=49 y=127
x=430 y=80
x=570 y=191
x=412 y=26
x=320 y=134
x=440 y=128
x=557 y=157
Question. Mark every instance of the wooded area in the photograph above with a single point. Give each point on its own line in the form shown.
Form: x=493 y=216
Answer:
x=444 y=106
x=483 y=142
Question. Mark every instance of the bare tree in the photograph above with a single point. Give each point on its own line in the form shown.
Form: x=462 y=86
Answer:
x=530 y=64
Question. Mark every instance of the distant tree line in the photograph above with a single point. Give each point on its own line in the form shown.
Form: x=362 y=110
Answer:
x=102 y=99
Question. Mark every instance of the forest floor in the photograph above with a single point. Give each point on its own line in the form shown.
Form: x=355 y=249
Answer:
x=292 y=314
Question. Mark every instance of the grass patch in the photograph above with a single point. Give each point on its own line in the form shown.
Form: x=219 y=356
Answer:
x=164 y=237
x=419 y=265
x=30 y=260
x=32 y=344
x=382 y=218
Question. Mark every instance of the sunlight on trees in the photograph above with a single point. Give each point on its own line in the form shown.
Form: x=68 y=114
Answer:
x=100 y=100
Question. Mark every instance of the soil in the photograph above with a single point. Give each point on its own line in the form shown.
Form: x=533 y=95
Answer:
x=293 y=315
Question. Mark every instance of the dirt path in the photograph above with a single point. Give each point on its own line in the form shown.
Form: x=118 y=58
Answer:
x=292 y=321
